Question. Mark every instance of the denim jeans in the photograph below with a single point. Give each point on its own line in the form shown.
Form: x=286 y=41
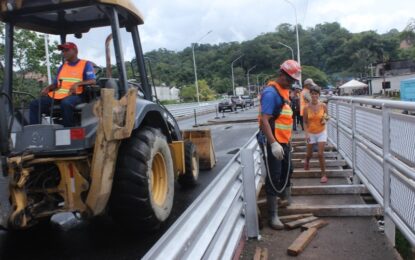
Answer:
x=67 y=106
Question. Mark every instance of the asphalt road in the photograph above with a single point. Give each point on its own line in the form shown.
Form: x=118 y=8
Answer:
x=100 y=238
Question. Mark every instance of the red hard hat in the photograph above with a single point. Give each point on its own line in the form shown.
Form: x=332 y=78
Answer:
x=68 y=46
x=292 y=68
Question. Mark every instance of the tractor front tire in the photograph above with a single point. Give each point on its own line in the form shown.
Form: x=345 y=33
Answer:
x=143 y=185
x=191 y=160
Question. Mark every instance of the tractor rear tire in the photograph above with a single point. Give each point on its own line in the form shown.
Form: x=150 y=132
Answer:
x=191 y=160
x=143 y=186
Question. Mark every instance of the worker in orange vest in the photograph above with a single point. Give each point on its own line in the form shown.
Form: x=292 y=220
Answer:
x=275 y=122
x=67 y=88
x=305 y=96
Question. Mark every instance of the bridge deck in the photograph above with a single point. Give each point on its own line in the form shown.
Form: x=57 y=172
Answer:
x=353 y=231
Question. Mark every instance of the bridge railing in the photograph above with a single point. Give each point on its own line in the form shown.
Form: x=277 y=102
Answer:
x=225 y=212
x=377 y=139
x=180 y=111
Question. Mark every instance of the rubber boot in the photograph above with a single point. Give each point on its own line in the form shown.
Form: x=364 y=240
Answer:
x=273 y=219
x=286 y=195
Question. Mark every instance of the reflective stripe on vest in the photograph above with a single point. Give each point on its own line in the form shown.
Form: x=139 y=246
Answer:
x=284 y=125
x=69 y=75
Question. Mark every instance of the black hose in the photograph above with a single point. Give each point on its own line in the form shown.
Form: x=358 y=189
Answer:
x=269 y=174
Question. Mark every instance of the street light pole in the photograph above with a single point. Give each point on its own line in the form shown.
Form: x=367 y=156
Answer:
x=47 y=59
x=233 y=80
x=257 y=83
x=298 y=39
x=247 y=75
x=194 y=66
x=292 y=52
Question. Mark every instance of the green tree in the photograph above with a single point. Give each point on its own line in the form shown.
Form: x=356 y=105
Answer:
x=318 y=76
x=205 y=92
x=221 y=85
x=188 y=93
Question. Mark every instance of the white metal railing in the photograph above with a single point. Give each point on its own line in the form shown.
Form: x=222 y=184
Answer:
x=213 y=225
x=181 y=111
x=378 y=142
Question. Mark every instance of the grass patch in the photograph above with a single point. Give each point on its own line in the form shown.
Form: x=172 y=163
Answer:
x=169 y=102
x=403 y=246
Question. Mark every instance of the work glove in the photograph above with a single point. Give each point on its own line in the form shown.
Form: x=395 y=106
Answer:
x=277 y=150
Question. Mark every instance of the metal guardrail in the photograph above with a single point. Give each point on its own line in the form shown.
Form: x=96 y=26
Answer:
x=214 y=223
x=378 y=142
x=187 y=110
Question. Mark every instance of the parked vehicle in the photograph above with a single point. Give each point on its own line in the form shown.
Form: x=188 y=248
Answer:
x=249 y=101
x=227 y=104
x=238 y=101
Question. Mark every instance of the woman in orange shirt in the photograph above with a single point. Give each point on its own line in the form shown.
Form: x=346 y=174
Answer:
x=315 y=117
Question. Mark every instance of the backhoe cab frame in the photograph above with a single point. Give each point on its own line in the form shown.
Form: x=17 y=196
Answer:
x=83 y=175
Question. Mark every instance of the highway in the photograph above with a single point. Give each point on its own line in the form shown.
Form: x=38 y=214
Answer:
x=100 y=238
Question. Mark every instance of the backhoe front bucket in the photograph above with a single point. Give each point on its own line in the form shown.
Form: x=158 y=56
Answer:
x=202 y=139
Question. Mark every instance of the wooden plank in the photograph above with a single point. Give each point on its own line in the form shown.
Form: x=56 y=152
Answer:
x=316 y=173
x=315 y=164
x=315 y=224
x=257 y=255
x=303 y=149
x=329 y=189
x=301 y=155
x=261 y=253
x=289 y=218
x=281 y=203
x=299 y=222
x=301 y=242
x=356 y=210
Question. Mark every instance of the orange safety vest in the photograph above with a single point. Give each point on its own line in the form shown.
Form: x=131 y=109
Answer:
x=303 y=102
x=69 y=75
x=284 y=122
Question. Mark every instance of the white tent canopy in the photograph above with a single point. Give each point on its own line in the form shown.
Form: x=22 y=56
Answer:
x=349 y=87
x=352 y=84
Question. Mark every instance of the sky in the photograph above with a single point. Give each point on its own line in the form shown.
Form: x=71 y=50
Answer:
x=175 y=25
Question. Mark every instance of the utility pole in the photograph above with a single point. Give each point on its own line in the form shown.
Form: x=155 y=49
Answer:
x=298 y=39
x=47 y=58
x=292 y=51
x=233 y=78
x=247 y=75
x=194 y=66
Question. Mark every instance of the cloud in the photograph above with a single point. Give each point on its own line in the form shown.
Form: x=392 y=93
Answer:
x=174 y=25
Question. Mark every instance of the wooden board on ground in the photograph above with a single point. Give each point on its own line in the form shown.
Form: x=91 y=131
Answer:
x=315 y=224
x=289 y=218
x=301 y=155
x=353 y=210
x=299 y=222
x=316 y=173
x=301 y=242
x=315 y=164
x=261 y=253
x=329 y=189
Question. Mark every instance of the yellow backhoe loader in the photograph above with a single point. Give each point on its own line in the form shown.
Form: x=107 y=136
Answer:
x=124 y=154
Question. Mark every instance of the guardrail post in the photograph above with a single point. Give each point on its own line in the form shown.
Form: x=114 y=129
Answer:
x=195 y=125
x=337 y=126
x=389 y=225
x=248 y=180
x=355 y=177
x=217 y=115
